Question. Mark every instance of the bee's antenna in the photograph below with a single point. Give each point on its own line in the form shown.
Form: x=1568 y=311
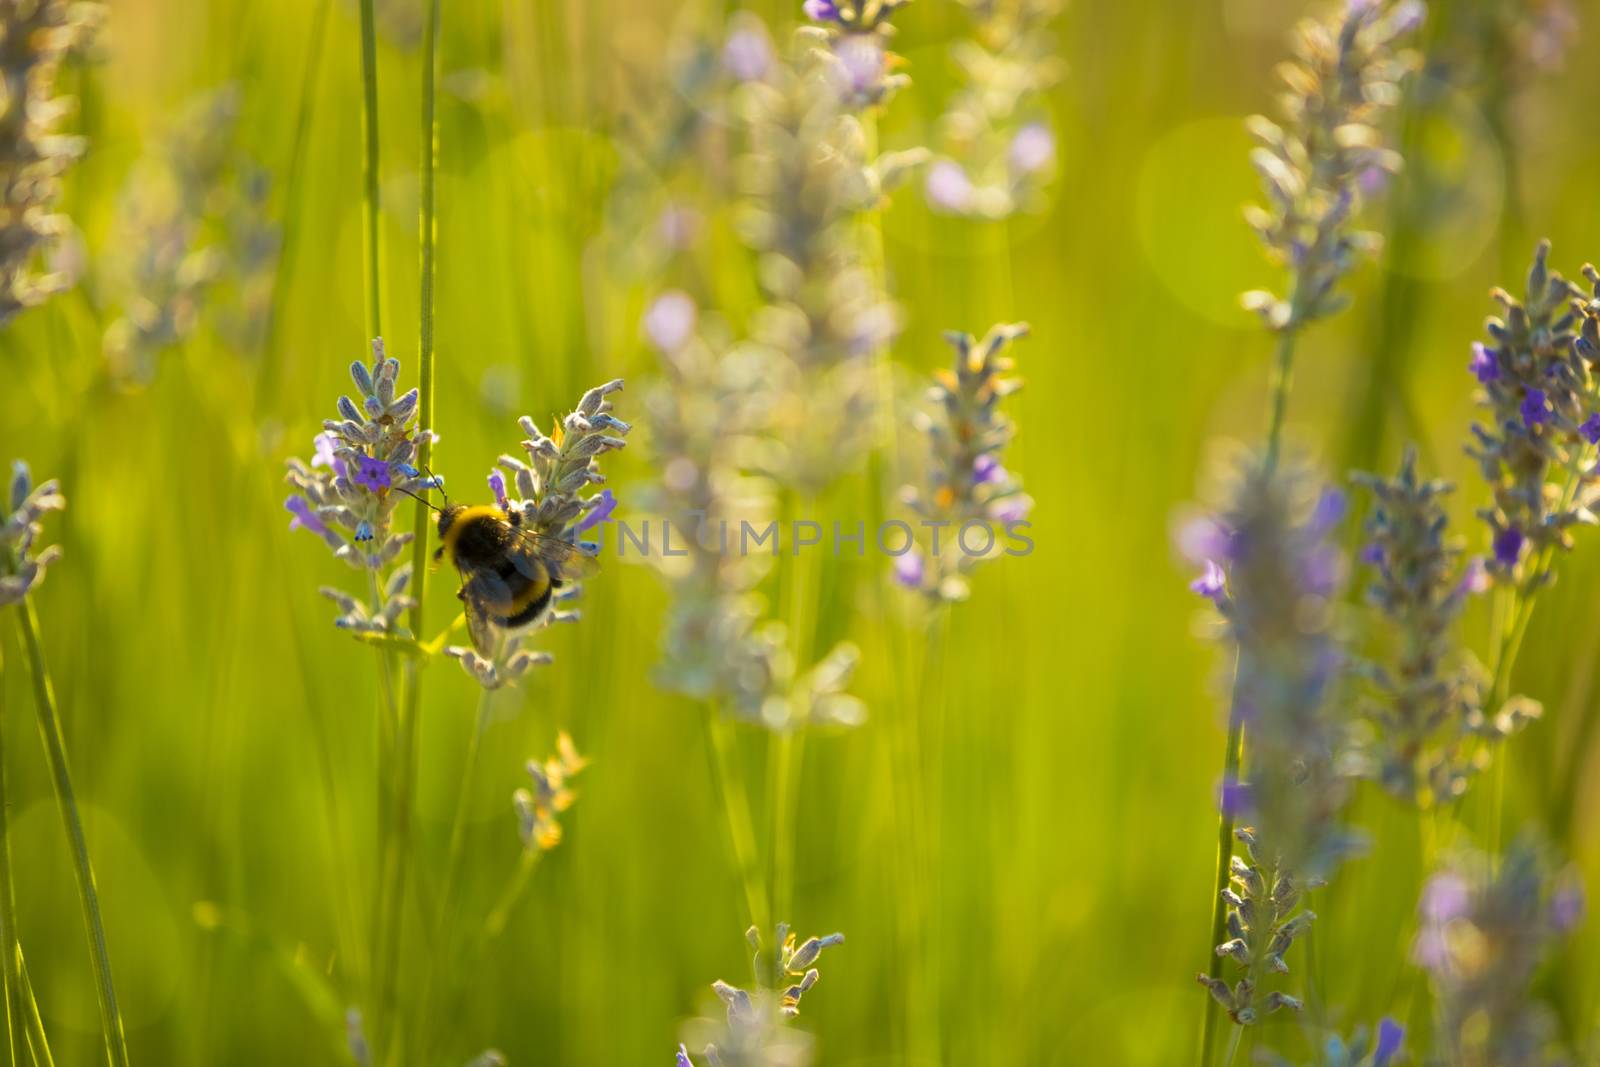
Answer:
x=420 y=499
x=437 y=484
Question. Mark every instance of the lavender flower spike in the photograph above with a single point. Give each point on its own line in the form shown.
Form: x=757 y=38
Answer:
x=1540 y=420
x=21 y=567
x=1343 y=77
x=964 y=484
x=348 y=492
x=547 y=493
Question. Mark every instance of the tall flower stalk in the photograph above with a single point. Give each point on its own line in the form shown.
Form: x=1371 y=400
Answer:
x=1282 y=580
x=393 y=892
x=371 y=205
x=23 y=569
x=1536 y=452
x=364 y=464
x=1344 y=73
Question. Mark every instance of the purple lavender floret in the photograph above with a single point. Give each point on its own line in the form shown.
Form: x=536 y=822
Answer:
x=1485 y=363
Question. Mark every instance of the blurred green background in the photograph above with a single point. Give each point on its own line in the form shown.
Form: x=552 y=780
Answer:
x=221 y=730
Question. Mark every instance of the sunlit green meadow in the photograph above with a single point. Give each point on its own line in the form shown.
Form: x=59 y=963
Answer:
x=222 y=732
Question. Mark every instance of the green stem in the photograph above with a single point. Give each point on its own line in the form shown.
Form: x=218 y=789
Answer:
x=789 y=747
x=500 y=914
x=10 y=939
x=736 y=808
x=371 y=218
x=1232 y=759
x=38 y=1045
x=394 y=894
x=928 y=718
x=1520 y=613
x=61 y=778
x=1233 y=1045
x=1279 y=383
x=444 y=925
x=429 y=239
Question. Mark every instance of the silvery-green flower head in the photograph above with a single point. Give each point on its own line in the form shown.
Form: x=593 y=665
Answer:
x=1425 y=693
x=754 y=1030
x=37 y=38
x=192 y=241
x=361 y=468
x=1313 y=163
x=21 y=566
x=1485 y=928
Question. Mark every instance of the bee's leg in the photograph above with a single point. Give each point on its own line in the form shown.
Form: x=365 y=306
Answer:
x=514 y=516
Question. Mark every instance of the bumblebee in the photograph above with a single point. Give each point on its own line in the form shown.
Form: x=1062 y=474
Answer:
x=509 y=574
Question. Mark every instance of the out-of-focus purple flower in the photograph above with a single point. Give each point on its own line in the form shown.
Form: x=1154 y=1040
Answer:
x=1212 y=583
x=1329 y=510
x=1567 y=907
x=909 y=569
x=948 y=187
x=1409 y=15
x=1032 y=149
x=304 y=517
x=497 y=486
x=1535 y=408
x=1373 y=181
x=862 y=62
x=1012 y=508
x=986 y=469
x=1552 y=31
x=1431 y=952
x=1475 y=579
x=821 y=10
x=873 y=329
x=1590 y=429
x=748 y=54
x=1484 y=364
x=1372 y=554
x=1202 y=537
x=600 y=512
x=683 y=1057
x=1233 y=796
x=1508 y=546
x=1446 y=897
x=1390 y=1035
x=678 y=225
x=669 y=322
x=373 y=474
x=323 y=455
x=1323 y=569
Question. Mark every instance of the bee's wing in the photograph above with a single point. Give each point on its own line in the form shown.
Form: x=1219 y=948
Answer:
x=486 y=598
x=565 y=562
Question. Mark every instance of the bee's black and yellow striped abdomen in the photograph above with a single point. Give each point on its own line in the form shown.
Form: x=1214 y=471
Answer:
x=482 y=540
x=530 y=593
